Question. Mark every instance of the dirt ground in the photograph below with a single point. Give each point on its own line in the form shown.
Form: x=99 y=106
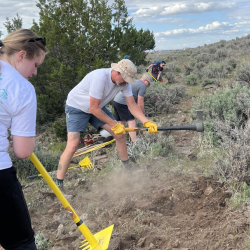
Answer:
x=152 y=206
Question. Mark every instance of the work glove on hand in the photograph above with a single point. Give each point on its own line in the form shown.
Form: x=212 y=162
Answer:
x=152 y=127
x=119 y=129
x=146 y=70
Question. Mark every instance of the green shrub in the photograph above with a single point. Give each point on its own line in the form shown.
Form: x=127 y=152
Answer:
x=215 y=70
x=191 y=79
x=26 y=167
x=229 y=106
x=41 y=242
x=233 y=166
x=243 y=73
x=221 y=54
x=177 y=69
x=204 y=57
x=192 y=64
x=187 y=70
x=233 y=62
x=151 y=146
x=212 y=50
x=60 y=128
x=200 y=65
x=207 y=82
x=170 y=76
x=160 y=99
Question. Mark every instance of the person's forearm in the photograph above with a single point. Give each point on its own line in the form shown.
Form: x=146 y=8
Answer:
x=137 y=113
x=103 y=117
x=159 y=75
x=141 y=106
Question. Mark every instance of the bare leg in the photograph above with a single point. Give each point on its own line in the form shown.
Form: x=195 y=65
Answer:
x=132 y=124
x=72 y=144
x=120 y=143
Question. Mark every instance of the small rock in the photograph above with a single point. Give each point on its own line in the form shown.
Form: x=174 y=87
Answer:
x=151 y=246
x=60 y=230
x=208 y=190
x=141 y=242
x=192 y=156
x=115 y=244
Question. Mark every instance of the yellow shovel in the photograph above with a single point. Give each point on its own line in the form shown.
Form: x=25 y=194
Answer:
x=99 y=241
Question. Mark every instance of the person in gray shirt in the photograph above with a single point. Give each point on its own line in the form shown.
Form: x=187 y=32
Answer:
x=122 y=112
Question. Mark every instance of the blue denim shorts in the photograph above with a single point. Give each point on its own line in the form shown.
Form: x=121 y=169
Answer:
x=77 y=120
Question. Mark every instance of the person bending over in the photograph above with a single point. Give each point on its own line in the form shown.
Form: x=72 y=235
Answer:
x=122 y=112
x=86 y=104
x=157 y=69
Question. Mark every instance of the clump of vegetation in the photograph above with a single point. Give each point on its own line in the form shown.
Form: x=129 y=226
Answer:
x=233 y=166
x=159 y=99
x=229 y=106
x=26 y=167
x=191 y=79
x=150 y=145
x=243 y=73
x=60 y=129
x=41 y=242
x=215 y=70
x=208 y=81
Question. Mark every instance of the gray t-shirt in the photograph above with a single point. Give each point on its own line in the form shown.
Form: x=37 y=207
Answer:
x=137 y=89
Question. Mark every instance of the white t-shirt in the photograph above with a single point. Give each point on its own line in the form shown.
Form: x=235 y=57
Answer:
x=99 y=85
x=17 y=109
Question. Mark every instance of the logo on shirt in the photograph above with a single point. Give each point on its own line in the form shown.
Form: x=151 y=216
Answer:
x=3 y=94
x=0 y=77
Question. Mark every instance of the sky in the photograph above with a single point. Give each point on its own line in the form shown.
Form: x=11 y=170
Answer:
x=176 y=24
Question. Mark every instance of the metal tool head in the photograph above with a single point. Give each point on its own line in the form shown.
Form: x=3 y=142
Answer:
x=86 y=163
x=200 y=125
x=103 y=238
x=200 y=115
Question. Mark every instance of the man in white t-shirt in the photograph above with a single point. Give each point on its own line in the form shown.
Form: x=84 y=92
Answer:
x=86 y=104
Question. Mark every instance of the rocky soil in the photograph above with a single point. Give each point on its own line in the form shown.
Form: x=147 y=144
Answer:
x=161 y=204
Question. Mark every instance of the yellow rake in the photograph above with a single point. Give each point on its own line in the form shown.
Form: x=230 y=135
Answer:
x=84 y=163
x=88 y=149
x=99 y=241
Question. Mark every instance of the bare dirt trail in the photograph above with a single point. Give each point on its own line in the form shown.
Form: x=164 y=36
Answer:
x=153 y=207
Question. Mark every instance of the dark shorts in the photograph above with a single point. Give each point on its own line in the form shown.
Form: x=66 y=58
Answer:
x=122 y=112
x=155 y=76
x=15 y=225
x=77 y=120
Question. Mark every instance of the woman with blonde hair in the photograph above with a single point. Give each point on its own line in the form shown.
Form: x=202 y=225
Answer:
x=21 y=52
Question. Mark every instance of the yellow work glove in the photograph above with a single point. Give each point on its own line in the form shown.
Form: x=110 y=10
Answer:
x=119 y=129
x=152 y=127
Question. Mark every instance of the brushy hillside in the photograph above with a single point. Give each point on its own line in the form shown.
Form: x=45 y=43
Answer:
x=188 y=190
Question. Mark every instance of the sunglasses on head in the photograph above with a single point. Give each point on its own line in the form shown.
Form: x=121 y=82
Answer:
x=42 y=40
